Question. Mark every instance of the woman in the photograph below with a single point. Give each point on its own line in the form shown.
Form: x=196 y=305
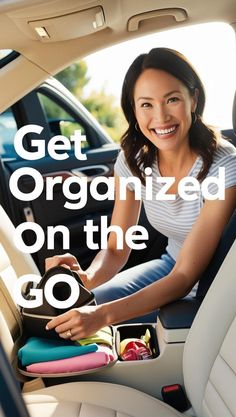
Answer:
x=163 y=101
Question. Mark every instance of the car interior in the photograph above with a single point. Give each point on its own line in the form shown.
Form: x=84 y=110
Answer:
x=206 y=353
x=193 y=339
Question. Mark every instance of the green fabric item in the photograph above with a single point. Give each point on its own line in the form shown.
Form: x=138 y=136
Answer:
x=103 y=336
x=38 y=349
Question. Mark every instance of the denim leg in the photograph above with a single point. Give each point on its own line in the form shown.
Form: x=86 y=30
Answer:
x=134 y=279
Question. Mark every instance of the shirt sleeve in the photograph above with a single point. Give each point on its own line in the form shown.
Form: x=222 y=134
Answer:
x=121 y=169
x=225 y=159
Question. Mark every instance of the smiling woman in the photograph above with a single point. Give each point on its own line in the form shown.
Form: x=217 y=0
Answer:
x=163 y=100
x=193 y=228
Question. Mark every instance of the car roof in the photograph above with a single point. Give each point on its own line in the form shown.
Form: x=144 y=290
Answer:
x=74 y=28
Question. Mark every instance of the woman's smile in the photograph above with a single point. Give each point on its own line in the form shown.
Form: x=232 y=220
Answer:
x=166 y=132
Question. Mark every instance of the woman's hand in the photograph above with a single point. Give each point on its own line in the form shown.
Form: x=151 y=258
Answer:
x=69 y=261
x=78 y=323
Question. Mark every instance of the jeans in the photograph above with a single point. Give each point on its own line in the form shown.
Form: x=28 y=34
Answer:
x=134 y=279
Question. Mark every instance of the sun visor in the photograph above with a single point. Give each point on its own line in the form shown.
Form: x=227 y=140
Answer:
x=69 y=26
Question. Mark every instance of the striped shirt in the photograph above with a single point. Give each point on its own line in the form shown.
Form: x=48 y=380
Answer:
x=175 y=218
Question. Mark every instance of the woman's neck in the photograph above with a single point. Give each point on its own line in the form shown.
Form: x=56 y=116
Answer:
x=176 y=164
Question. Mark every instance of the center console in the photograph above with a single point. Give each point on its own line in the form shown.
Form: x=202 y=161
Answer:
x=167 y=339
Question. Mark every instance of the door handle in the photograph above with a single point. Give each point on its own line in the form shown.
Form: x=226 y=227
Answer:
x=91 y=171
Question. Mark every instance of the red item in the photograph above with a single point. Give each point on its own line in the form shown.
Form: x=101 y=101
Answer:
x=134 y=352
x=170 y=388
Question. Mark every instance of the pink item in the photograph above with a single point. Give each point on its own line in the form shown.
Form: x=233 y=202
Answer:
x=106 y=349
x=75 y=364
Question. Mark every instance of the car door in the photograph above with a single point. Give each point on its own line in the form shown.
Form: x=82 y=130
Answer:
x=52 y=107
x=58 y=113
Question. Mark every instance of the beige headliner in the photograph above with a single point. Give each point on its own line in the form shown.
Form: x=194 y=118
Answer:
x=38 y=59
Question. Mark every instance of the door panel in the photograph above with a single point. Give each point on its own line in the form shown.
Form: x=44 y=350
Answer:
x=101 y=155
x=52 y=213
x=100 y=161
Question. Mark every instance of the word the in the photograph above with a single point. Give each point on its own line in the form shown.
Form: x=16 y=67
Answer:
x=130 y=237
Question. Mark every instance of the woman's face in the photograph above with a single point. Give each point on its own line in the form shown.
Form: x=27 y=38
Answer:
x=163 y=109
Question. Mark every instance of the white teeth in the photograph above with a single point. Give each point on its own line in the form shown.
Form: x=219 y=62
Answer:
x=164 y=131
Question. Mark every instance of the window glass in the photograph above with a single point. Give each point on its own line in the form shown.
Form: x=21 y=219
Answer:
x=6 y=56
x=5 y=52
x=59 y=120
x=8 y=129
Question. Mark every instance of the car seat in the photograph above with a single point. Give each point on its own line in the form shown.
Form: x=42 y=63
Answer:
x=209 y=366
x=181 y=313
x=13 y=264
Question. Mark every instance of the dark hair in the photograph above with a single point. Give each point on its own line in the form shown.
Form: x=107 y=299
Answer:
x=139 y=151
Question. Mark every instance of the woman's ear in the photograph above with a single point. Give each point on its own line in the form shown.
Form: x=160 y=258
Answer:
x=195 y=100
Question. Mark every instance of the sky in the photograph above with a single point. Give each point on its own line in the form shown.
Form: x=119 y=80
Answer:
x=209 y=47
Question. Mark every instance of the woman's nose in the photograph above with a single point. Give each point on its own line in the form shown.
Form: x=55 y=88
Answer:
x=160 y=114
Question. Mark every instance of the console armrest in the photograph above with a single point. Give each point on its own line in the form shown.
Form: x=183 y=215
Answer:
x=179 y=314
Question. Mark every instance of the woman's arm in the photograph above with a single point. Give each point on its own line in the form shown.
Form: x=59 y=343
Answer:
x=108 y=261
x=194 y=257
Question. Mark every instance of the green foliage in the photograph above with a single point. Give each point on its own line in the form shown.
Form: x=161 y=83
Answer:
x=75 y=78
x=107 y=112
x=101 y=105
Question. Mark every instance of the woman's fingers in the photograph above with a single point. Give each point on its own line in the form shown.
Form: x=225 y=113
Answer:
x=60 y=320
x=66 y=259
x=67 y=325
x=77 y=323
x=71 y=334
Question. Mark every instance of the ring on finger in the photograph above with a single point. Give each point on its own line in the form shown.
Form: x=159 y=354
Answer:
x=68 y=333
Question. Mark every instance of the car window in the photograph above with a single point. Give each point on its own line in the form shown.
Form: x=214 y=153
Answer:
x=59 y=120
x=210 y=47
x=8 y=129
x=6 y=56
x=5 y=52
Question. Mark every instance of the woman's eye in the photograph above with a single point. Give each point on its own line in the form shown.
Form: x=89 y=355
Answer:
x=172 y=99
x=145 y=105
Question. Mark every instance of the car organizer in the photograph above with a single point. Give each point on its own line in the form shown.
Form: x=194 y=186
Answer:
x=48 y=358
x=45 y=354
x=136 y=342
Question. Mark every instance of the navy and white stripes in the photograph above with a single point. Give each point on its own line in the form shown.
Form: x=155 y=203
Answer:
x=175 y=218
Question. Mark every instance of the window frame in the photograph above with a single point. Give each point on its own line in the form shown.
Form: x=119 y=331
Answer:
x=8 y=58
